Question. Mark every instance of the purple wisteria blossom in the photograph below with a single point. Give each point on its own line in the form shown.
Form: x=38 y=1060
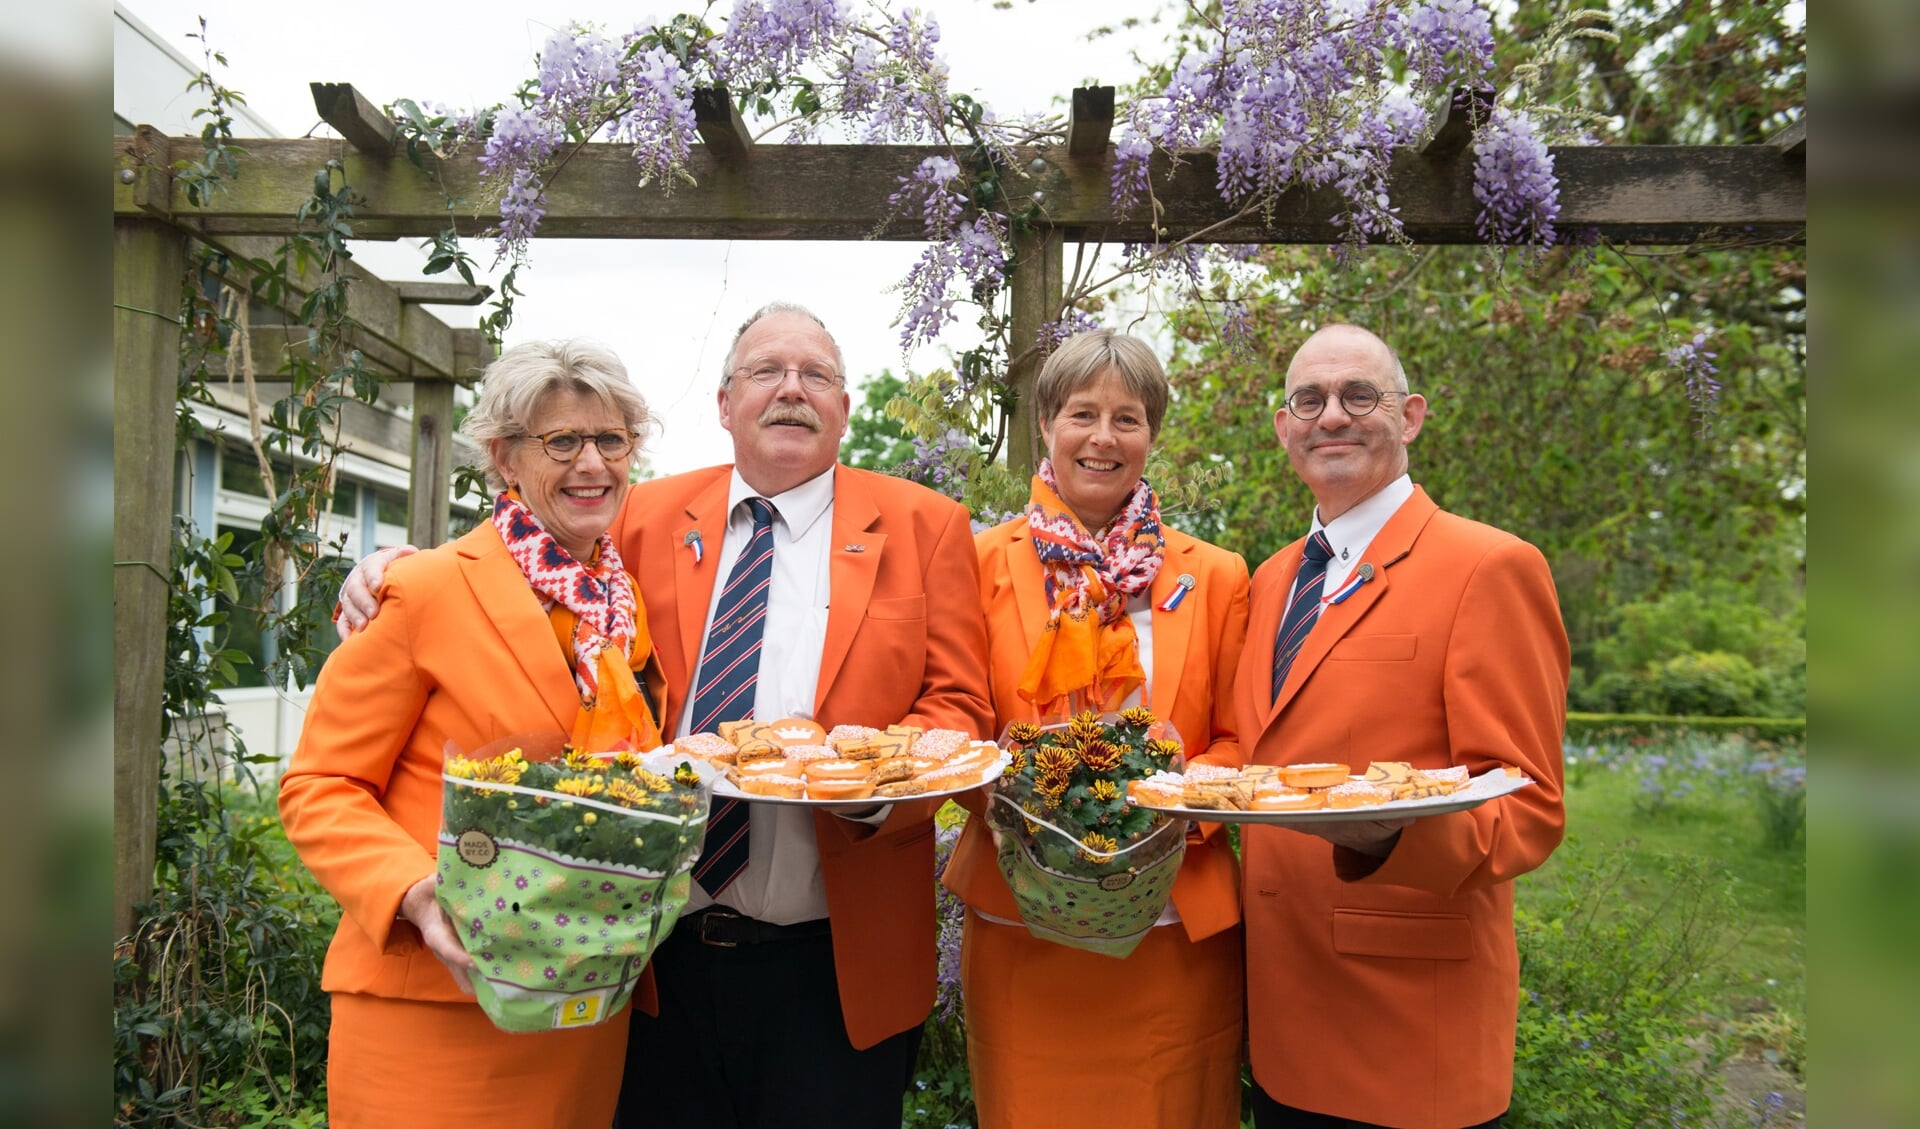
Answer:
x=1695 y=362
x=931 y=189
x=768 y=39
x=1451 y=42
x=577 y=68
x=1236 y=329
x=659 y=121
x=1130 y=166
x=1514 y=181
x=1054 y=334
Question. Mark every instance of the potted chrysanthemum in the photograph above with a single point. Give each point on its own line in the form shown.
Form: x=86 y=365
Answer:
x=564 y=876
x=1086 y=868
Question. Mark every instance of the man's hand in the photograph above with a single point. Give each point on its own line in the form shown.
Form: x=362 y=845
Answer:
x=437 y=930
x=1375 y=837
x=359 y=592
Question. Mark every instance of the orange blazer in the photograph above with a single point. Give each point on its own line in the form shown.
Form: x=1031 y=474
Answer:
x=1389 y=994
x=462 y=654
x=905 y=642
x=1195 y=649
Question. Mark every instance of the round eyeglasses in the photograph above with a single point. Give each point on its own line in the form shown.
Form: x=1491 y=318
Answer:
x=564 y=446
x=1355 y=399
x=814 y=378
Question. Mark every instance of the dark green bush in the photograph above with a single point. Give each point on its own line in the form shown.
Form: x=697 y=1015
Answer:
x=1611 y=981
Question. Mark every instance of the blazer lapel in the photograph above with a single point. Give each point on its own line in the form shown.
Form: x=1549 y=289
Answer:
x=514 y=611
x=1172 y=632
x=851 y=573
x=694 y=576
x=1029 y=582
x=1389 y=546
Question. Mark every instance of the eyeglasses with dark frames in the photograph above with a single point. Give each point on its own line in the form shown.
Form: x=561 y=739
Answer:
x=1355 y=399
x=766 y=374
x=565 y=445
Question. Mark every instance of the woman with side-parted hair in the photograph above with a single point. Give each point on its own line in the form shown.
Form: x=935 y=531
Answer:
x=528 y=625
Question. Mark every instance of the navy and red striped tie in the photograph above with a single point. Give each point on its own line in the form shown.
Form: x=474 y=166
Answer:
x=728 y=670
x=1300 y=612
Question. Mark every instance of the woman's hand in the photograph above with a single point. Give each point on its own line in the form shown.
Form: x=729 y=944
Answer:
x=359 y=599
x=437 y=930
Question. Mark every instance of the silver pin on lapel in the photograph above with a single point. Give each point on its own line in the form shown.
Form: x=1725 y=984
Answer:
x=692 y=539
x=853 y=548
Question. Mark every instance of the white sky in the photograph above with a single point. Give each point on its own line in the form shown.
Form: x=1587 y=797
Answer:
x=668 y=308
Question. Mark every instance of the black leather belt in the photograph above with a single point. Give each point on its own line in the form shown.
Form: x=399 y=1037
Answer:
x=726 y=929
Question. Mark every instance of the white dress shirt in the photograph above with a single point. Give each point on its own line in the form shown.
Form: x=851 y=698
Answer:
x=1351 y=533
x=781 y=883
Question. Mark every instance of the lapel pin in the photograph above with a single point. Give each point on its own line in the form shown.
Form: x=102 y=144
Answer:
x=1361 y=575
x=853 y=548
x=1182 y=586
x=1343 y=553
x=692 y=539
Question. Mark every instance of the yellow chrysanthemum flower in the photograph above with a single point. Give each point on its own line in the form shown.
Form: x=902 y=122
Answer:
x=626 y=792
x=460 y=767
x=653 y=781
x=579 y=786
x=627 y=759
x=1084 y=726
x=1096 y=842
x=1050 y=793
x=1018 y=763
x=1023 y=732
x=1054 y=762
x=579 y=760
x=1105 y=790
x=1163 y=748
x=1101 y=756
x=499 y=770
x=1139 y=715
x=684 y=774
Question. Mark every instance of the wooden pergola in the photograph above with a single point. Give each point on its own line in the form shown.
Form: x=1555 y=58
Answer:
x=1710 y=195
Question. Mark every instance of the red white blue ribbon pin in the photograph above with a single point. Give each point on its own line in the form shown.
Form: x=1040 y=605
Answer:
x=692 y=539
x=1182 y=586
x=1360 y=576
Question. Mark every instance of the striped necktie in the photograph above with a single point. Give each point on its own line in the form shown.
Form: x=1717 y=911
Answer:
x=728 y=670
x=1300 y=613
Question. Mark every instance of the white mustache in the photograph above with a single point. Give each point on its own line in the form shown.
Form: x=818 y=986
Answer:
x=801 y=414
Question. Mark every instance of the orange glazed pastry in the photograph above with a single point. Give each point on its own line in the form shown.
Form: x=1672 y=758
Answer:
x=1357 y=794
x=767 y=766
x=1313 y=775
x=1287 y=799
x=790 y=731
x=785 y=787
x=838 y=789
x=841 y=769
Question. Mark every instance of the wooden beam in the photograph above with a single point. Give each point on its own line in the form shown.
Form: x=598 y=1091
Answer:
x=148 y=261
x=356 y=119
x=1791 y=140
x=1453 y=128
x=441 y=293
x=720 y=125
x=148 y=172
x=429 y=495
x=472 y=353
x=1037 y=285
x=1640 y=194
x=1092 y=122
x=400 y=338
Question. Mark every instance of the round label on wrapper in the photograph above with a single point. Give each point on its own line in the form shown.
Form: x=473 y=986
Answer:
x=1117 y=881
x=476 y=848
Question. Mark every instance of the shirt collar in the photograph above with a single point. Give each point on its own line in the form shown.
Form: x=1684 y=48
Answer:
x=799 y=507
x=1353 y=531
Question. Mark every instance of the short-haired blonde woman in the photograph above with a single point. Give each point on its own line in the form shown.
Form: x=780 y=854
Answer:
x=528 y=625
x=1058 y=1036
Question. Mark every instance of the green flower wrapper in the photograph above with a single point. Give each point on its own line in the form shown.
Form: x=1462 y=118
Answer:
x=561 y=898
x=1087 y=869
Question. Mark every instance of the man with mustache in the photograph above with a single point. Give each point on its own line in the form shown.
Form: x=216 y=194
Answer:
x=793 y=991
x=1382 y=976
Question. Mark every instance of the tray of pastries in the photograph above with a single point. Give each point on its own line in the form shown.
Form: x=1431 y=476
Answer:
x=797 y=761
x=1298 y=794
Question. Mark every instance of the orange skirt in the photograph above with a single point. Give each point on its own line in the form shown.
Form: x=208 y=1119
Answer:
x=1065 y=1038
x=428 y=1065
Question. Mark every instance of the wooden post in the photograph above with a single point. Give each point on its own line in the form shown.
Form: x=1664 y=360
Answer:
x=1037 y=287
x=429 y=496
x=148 y=258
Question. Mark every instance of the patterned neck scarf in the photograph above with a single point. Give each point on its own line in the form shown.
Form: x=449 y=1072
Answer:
x=600 y=594
x=1088 y=651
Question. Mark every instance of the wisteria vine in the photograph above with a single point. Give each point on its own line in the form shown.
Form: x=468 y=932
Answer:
x=1291 y=94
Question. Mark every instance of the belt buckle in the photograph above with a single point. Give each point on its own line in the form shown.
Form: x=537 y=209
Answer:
x=718 y=943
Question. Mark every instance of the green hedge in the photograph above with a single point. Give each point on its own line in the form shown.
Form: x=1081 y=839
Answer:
x=1586 y=726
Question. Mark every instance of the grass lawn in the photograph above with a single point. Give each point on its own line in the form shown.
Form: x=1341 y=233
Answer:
x=1705 y=798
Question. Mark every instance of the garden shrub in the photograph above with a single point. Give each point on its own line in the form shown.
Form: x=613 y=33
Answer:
x=942 y=1094
x=1708 y=650
x=1612 y=980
